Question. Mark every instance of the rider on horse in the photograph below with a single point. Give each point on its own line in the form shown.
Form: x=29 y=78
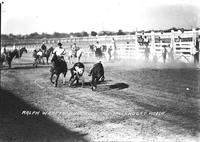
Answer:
x=4 y=53
x=3 y=50
x=43 y=47
x=59 y=51
x=74 y=49
x=98 y=50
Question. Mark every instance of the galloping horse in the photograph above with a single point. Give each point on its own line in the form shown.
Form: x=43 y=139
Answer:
x=37 y=58
x=75 y=54
x=59 y=66
x=11 y=54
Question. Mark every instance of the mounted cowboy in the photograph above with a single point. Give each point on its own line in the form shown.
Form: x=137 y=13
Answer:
x=59 y=51
x=74 y=49
x=98 y=50
x=44 y=48
x=58 y=63
x=3 y=51
x=4 y=54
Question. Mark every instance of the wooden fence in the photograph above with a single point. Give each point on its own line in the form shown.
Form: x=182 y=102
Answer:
x=180 y=45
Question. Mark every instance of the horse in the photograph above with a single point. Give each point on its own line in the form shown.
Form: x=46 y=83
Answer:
x=37 y=58
x=47 y=53
x=75 y=54
x=140 y=40
x=59 y=66
x=11 y=54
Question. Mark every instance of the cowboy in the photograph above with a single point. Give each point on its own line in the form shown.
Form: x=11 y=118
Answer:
x=3 y=50
x=59 y=51
x=74 y=49
x=146 y=41
x=164 y=53
x=4 y=53
x=114 y=43
x=98 y=50
x=43 y=47
x=39 y=53
x=97 y=45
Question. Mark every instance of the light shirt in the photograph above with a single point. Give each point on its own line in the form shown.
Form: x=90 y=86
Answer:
x=39 y=53
x=98 y=46
x=2 y=50
x=59 y=51
x=146 y=39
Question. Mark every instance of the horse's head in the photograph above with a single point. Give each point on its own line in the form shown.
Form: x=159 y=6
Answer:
x=23 y=49
x=35 y=53
x=51 y=49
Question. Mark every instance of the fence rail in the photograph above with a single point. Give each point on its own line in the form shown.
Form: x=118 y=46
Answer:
x=182 y=45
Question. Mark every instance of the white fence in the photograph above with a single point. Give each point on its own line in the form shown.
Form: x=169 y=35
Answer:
x=180 y=45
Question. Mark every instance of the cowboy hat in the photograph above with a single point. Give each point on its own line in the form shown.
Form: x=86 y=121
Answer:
x=59 y=44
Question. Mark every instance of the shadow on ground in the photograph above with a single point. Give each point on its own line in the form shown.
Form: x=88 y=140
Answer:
x=18 y=127
x=23 y=67
x=117 y=86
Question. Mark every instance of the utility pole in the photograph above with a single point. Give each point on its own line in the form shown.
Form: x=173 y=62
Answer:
x=0 y=39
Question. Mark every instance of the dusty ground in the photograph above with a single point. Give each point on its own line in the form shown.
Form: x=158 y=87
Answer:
x=137 y=102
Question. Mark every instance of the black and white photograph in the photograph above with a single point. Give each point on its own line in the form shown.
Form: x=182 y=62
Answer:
x=100 y=71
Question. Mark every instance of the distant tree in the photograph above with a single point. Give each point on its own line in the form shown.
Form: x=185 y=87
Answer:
x=120 y=32
x=84 y=34
x=93 y=33
x=77 y=34
x=34 y=35
x=132 y=33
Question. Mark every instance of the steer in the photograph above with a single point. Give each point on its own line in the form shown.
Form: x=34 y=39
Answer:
x=77 y=73
x=97 y=73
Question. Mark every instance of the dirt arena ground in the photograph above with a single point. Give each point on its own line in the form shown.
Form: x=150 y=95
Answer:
x=137 y=102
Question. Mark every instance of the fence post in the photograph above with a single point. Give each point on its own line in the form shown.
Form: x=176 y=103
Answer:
x=136 y=44
x=193 y=49
x=153 y=49
x=172 y=44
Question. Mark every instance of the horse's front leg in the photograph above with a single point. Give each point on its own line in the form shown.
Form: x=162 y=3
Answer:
x=47 y=60
x=56 y=82
x=43 y=60
x=79 y=58
x=9 y=64
x=51 y=77
x=64 y=78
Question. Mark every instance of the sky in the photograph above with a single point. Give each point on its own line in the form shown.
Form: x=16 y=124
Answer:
x=49 y=16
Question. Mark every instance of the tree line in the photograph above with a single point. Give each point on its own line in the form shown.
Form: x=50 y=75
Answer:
x=36 y=35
